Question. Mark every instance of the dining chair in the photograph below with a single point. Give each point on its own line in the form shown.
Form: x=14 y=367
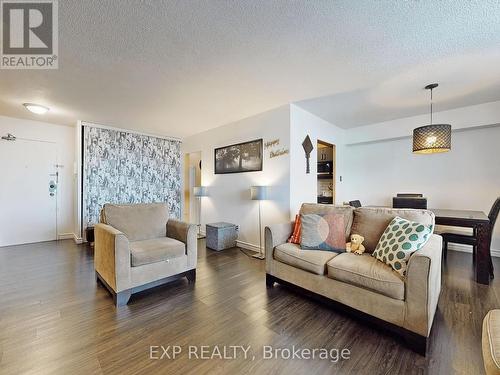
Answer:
x=471 y=240
x=355 y=204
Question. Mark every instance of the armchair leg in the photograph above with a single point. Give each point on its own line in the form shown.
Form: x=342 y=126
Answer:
x=121 y=298
x=191 y=276
x=445 y=249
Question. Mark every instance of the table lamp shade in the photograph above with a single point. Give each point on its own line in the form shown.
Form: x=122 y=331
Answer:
x=258 y=193
x=200 y=191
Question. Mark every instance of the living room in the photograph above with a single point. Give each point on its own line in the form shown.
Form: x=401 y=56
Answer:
x=249 y=187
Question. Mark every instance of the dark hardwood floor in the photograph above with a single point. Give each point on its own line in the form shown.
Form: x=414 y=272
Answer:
x=55 y=319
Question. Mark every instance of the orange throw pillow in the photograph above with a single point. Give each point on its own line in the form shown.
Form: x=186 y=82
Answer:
x=295 y=237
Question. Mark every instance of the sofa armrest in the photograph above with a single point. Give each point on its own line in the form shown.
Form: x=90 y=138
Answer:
x=112 y=256
x=275 y=235
x=423 y=286
x=186 y=233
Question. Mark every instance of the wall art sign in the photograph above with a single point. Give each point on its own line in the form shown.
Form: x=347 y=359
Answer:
x=280 y=152
x=308 y=147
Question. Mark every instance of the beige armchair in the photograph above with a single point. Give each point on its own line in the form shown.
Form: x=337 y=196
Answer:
x=138 y=247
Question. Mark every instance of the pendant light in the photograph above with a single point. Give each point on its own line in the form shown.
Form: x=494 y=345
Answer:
x=433 y=138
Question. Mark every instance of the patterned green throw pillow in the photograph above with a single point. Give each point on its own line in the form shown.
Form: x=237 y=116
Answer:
x=400 y=239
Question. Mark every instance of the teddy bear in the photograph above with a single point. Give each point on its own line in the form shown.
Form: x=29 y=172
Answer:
x=355 y=245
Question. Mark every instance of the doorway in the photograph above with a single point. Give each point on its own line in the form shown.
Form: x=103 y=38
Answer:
x=192 y=178
x=326 y=170
x=28 y=191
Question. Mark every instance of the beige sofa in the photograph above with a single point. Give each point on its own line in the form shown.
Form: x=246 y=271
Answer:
x=138 y=247
x=361 y=284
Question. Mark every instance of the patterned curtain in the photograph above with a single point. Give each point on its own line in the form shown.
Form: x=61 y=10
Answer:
x=121 y=167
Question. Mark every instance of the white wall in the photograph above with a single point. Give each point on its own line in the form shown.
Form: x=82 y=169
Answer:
x=467 y=177
x=64 y=138
x=463 y=118
x=229 y=198
x=303 y=187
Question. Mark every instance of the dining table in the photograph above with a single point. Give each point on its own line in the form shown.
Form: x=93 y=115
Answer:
x=480 y=222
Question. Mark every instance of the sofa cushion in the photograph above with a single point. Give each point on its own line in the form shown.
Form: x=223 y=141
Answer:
x=155 y=250
x=321 y=209
x=491 y=342
x=137 y=221
x=309 y=260
x=371 y=222
x=367 y=272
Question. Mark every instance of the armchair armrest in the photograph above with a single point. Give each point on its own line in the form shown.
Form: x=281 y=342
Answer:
x=186 y=233
x=275 y=235
x=112 y=256
x=423 y=286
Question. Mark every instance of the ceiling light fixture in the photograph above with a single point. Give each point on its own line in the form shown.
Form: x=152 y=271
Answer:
x=433 y=138
x=36 y=108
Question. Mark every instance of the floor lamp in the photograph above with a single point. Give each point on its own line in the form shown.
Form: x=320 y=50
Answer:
x=259 y=193
x=199 y=192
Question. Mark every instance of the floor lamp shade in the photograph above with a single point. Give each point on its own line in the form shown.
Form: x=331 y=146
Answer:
x=432 y=139
x=200 y=191
x=258 y=193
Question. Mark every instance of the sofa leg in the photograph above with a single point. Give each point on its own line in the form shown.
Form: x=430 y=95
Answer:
x=270 y=280
x=121 y=298
x=415 y=342
x=191 y=275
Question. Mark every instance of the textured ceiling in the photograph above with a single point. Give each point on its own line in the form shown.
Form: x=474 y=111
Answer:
x=181 y=67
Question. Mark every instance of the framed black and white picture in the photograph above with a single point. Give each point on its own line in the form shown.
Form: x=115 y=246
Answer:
x=238 y=158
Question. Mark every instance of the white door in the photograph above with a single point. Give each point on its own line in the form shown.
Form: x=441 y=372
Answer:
x=28 y=204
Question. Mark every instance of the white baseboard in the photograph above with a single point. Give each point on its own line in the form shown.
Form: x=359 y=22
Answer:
x=65 y=236
x=248 y=246
x=70 y=236
x=468 y=249
x=78 y=240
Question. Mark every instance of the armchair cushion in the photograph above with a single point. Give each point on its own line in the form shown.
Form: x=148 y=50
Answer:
x=491 y=342
x=155 y=250
x=137 y=221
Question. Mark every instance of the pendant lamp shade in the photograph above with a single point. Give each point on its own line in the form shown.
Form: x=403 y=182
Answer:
x=433 y=138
